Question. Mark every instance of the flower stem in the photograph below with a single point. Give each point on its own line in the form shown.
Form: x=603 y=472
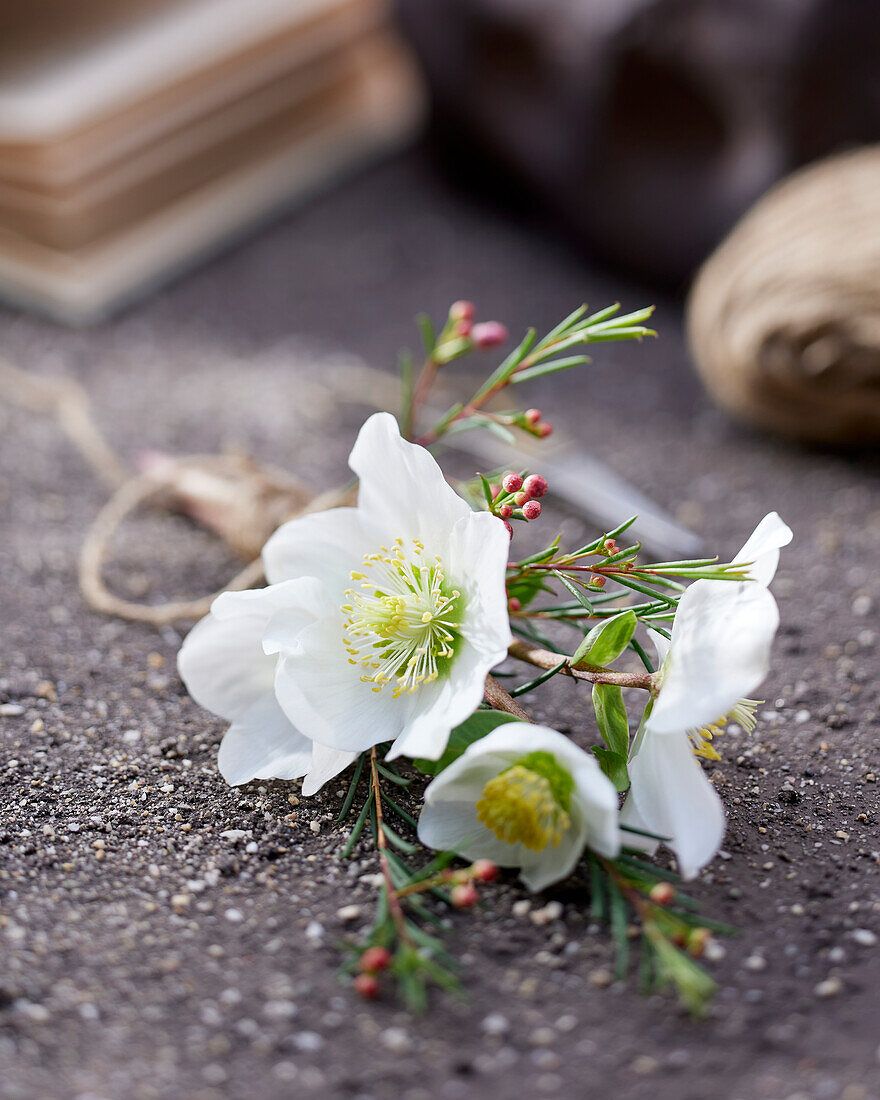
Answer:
x=394 y=906
x=499 y=699
x=545 y=658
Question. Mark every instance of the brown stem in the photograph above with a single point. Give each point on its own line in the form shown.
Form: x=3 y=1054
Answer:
x=394 y=906
x=544 y=658
x=498 y=699
x=422 y=388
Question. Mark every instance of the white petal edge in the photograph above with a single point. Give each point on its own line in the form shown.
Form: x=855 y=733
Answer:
x=402 y=489
x=719 y=653
x=762 y=547
x=262 y=744
x=675 y=799
x=327 y=545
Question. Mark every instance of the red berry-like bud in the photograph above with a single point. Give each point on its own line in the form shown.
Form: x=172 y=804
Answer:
x=484 y=869
x=462 y=311
x=374 y=959
x=597 y=582
x=505 y=511
x=544 y=430
x=367 y=985
x=464 y=896
x=509 y=528
x=532 y=416
x=531 y=509
x=463 y=328
x=512 y=482
x=521 y=498
x=535 y=485
x=610 y=546
x=662 y=894
x=513 y=604
x=489 y=334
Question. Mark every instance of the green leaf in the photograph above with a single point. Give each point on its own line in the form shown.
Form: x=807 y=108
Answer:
x=611 y=718
x=614 y=766
x=606 y=641
x=426 y=328
x=478 y=725
x=553 y=367
x=693 y=984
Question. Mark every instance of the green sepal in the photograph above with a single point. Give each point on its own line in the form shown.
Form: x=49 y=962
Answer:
x=614 y=766
x=606 y=641
x=611 y=718
x=479 y=724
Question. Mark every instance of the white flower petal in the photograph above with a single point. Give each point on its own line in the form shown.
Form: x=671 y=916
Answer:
x=327 y=545
x=325 y=764
x=439 y=707
x=221 y=660
x=719 y=654
x=763 y=546
x=262 y=744
x=629 y=815
x=661 y=644
x=455 y=827
x=541 y=869
x=402 y=489
x=477 y=562
x=675 y=799
x=323 y=696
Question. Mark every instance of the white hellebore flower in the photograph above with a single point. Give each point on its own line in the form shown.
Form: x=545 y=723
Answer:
x=719 y=652
x=523 y=796
x=412 y=610
x=226 y=671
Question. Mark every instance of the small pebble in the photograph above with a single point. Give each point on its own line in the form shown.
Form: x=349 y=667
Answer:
x=829 y=988
x=864 y=937
x=348 y=912
x=395 y=1039
x=495 y=1024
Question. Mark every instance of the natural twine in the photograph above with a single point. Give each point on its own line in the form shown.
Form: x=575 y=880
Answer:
x=242 y=501
x=784 y=317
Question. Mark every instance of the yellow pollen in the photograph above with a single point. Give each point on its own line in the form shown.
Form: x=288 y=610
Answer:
x=403 y=621
x=743 y=713
x=519 y=808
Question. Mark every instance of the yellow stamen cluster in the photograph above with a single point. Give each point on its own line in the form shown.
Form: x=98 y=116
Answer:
x=401 y=621
x=519 y=807
x=743 y=714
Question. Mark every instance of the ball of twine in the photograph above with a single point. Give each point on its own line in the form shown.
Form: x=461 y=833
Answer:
x=784 y=317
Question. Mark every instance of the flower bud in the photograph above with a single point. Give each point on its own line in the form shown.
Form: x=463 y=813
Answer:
x=509 y=528
x=597 y=582
x=367 y=985
x=374 y=959
x=532 y=416
x=544 y=429
x=464 y=896
x=662 y=893
x=531 y=509
x=535 y=485
x=463 y=328
x=484 y=869
x=697 y=940
x=462 y=310
x=489 y=334
x=512 y=482
x=610 y=546
x=505 y=511
x=521 y=498
x=513 y=604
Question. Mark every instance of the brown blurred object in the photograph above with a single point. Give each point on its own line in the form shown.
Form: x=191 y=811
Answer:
x=649 y=126
x=784 y=318
x=135 y=136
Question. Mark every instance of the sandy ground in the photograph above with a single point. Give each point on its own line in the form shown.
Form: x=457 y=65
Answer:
x=166 y=936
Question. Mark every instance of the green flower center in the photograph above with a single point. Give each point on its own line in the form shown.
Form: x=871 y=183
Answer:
x=403 y=621
x=529 y=802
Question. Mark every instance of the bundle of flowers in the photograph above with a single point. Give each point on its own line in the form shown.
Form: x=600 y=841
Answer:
x=379 y=646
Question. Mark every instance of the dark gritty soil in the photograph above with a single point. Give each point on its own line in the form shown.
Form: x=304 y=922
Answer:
x=166 y=936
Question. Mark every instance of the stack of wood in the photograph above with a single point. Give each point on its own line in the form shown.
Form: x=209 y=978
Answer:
x=136 y=136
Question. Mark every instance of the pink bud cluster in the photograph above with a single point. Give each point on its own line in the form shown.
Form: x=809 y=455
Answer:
x=533 y=422
x=482 y=335
x=517 y=497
